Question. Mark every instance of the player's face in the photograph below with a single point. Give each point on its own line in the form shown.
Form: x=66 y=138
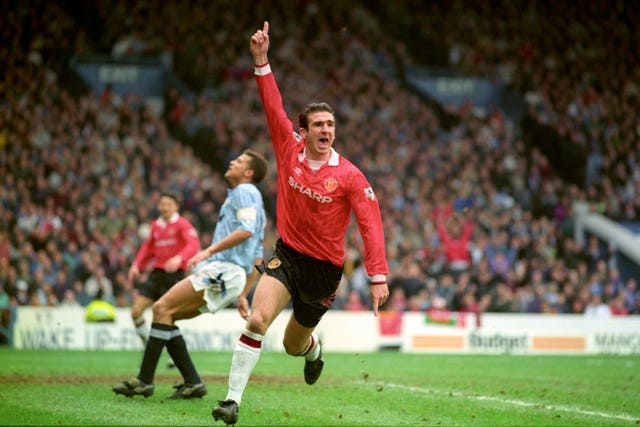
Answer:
x=320 y=135
x=167 y=207
x=238 y=170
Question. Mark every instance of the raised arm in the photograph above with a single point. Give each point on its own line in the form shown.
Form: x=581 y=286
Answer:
x=280 y=127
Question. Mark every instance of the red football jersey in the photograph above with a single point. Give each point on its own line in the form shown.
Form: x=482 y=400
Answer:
x=168 y=239
x=314 y=207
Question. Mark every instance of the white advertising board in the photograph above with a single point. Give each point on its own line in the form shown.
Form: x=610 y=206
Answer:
x=525 y=334
x=343 y=331
x=65 y=328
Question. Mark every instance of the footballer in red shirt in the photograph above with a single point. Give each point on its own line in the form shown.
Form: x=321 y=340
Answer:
x=317 y=191
x=172 y=242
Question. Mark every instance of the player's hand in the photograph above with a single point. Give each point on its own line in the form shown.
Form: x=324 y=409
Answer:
x=379 y=295
x=259 y=44
x=243 y=307
x=197 y=258
x=133 y=274
x=172 y=264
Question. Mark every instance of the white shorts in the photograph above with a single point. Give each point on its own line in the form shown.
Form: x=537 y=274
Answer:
x=216 y=296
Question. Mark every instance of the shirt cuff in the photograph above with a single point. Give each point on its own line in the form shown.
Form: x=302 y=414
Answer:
x=378 y=279
x=262 y=70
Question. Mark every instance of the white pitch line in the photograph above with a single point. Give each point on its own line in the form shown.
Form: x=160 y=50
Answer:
x=522 y=403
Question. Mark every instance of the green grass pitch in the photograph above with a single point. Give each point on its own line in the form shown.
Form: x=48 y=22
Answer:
x=62 y=388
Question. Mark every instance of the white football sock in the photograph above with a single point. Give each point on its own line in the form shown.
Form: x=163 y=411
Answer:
x=245 y=358
x=312 y=352
x=141 y=329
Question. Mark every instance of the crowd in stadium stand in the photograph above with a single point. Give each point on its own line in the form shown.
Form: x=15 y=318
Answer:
x=577 y=67
x=475 y=219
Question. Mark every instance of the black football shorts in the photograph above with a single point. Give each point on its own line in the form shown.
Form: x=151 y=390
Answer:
x=311 y=282
x=159 y=283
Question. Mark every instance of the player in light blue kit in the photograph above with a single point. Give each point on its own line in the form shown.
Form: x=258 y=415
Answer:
x=224 y=272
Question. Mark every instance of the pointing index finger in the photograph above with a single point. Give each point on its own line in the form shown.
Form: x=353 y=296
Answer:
x=265 y=27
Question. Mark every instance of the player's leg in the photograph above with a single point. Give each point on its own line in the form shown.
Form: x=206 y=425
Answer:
x=300 y=340
x=297 y=338
x=182 y=301
x=269 y=299
x=179 y=302
x=161 y=283
x=140 y=304
x=317 y=289
x=158 y=283
x=148 y=292
x=210 y=289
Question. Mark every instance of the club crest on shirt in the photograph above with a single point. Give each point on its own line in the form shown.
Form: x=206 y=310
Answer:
x=274 y=263
x=330 y=184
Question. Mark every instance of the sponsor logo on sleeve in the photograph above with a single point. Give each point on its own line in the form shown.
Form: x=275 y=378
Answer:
x=369 y=194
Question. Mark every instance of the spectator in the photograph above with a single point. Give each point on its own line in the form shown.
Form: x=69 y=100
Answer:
x=419 y=302
x=4 y=300
x=632 y=295
x=617 y=306
x=410 y=278
x=98 y=282
x=455 y=236
x=69 y=299
x=354 y=302
x=464 y=296
x=596 y=309
x=397 y=300
x=80 y=294
x=23 y=296
x=501 y=299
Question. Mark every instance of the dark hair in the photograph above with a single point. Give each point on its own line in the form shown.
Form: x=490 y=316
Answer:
x=258 y=165
x=314 y=107
x=171 y=196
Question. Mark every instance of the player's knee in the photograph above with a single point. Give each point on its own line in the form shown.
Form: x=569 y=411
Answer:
x=292 y=346
x=135 y=312
x=160 y=309
x=257 y=323
x=295 y=344
x=290 y=349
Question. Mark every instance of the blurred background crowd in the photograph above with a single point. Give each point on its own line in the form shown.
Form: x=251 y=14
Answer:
x=478 y=216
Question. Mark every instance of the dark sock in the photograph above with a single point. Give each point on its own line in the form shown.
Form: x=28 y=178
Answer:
x=158 y=338
x=177 y=349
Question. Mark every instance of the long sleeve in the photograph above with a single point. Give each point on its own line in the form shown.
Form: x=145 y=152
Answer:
x=145 y=253
x=191 y=242
x=367 y=212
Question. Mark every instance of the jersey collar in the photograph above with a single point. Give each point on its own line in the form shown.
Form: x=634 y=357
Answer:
x=334 y=159
x=173 y=219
